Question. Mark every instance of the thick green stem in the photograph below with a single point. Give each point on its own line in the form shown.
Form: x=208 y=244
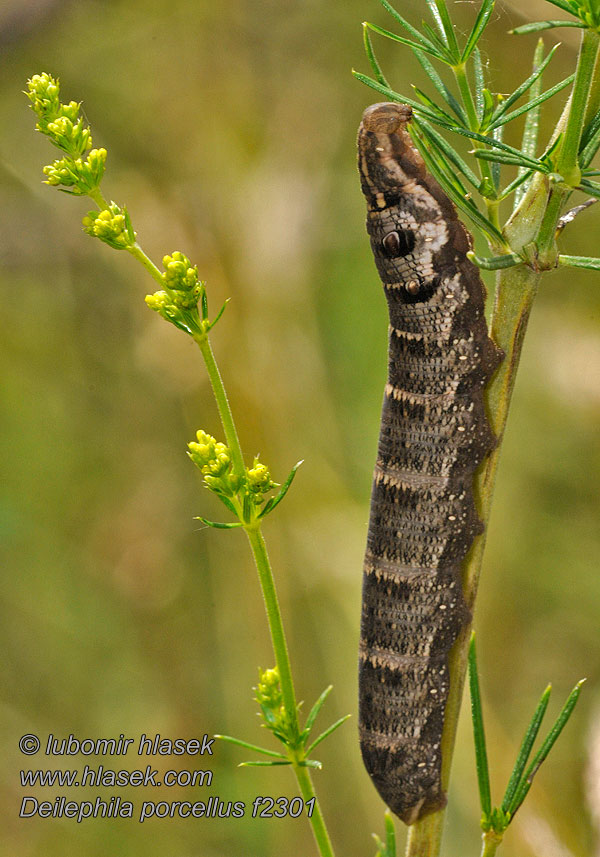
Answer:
x=515 y=291
x=567 y=164
x=489 y=843
x=425 y=836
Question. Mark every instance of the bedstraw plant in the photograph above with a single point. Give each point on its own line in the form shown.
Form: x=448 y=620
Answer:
x=522 y=249
x=463 y=102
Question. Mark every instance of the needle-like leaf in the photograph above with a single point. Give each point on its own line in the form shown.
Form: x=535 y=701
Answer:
x=248 y=746
x=531 y=127
x=441 y=16
x=535 y=102
x=590 y=141
x=436 y=140
x=441 y=87
x=571 y=8
x=593 y=188
x=537 y=26
x=507 y=158
x=547 y=745
x=315 y=709
x=525 y=749
x=483 y=774
x=419 y=37
x=275 y=501
x=588 y=262
x=379 y=76
x=327 y=732
x=479 y=85
x=217 y=525
x=396 y=96
x=483 y=16
x=396 y=38
x=507 y=103
x=428 y=102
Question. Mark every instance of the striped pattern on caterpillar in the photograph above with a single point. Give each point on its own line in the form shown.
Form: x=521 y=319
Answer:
x=434 y=434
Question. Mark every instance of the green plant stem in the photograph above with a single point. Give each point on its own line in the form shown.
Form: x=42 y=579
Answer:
x=567 y=164
x=137 y=253
x=222 y=401
x=316 y=820
x=425 y=836
x=267 y=584
x=515 y=290
x=489 y=843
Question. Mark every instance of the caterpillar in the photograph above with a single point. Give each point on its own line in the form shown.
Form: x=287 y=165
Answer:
x=434 y=434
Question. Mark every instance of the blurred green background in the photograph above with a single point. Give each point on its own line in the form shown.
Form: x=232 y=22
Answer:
x=230 y=130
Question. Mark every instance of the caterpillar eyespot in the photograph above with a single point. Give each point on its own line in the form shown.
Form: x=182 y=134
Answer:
x=434 y=434
x=399 y=242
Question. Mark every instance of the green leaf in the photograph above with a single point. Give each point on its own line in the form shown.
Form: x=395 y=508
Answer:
x=565 y=6
x=436 y=140
x=315 y=709
x=525 y=749
x=428 y=102
x=442 y=19
x=248 y=746
x=535 y=102
x=479 y=85
x=507 y=103
x=543 y=25
x=219 y=314
x=263 y=764
x=507 y=158
x=483 y=774
x=379 y=76
x=441 y=87
x=396 y=96
x=390 y=834
x=593 y=188
x=497 y=134
x=483 y=16
x=547 y=745
x=590 y=141
x=275 y=501
x=524 y=176
x=327 y=732
x=495 y=263
x=531 y=128
x=444 y=54
x=395 y=38
x=408 y=27
x=579 y=262
x=454 y=188
x=218 y=525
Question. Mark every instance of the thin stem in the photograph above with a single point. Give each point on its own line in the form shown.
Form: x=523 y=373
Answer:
x=222 y=401
x=282 y=659
x=267 y=585
x=316 y=820
x=137 y=253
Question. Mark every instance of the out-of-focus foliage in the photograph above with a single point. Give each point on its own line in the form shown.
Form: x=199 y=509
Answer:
x=230 y=130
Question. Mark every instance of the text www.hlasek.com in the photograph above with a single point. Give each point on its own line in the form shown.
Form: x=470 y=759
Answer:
x=113 y=807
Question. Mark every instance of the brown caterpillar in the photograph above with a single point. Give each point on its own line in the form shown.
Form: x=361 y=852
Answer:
x=434 y=434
